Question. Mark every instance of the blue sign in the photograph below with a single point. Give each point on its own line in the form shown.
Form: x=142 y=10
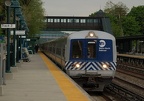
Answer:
x=105 y=50
x=2 y=39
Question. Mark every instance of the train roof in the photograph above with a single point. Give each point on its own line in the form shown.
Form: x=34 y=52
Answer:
x=83 y=34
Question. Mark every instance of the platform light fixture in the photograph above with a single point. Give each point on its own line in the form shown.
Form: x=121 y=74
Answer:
x=8 y=3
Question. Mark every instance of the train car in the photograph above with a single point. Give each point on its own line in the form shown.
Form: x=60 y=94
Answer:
x=88 y=56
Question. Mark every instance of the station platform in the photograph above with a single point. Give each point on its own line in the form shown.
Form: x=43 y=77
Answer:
x=41 y=80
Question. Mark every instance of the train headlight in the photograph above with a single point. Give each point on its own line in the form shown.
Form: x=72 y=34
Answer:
x=91 y=34
x=77 y=65
x=105 y=66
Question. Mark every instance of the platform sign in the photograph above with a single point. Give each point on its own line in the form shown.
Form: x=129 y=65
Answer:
x=18 y=32
x=8 y=25
x=22 y=37
x=27 y=39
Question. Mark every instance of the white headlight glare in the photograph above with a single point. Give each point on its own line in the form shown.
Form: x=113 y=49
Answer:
x=105 y=66
x=77 y=65
x=91 y=34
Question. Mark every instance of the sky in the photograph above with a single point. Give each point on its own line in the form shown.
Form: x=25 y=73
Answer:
x=81 y=7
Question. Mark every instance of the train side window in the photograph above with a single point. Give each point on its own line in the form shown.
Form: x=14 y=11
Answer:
x=91 y=49
x=77 y=49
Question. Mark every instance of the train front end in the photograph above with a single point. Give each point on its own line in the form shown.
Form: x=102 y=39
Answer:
x=91 y=59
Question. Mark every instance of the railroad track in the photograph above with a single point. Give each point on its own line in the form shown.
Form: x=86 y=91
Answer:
x=119 y=90
x=123 y=93
x=130 y=86
x=132 y=74
x=134 y=70
x=128 y=83
x=99 y=96
x=127 y=87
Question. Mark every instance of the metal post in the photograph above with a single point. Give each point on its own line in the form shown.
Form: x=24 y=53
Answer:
x=17 y=58
x=1 y=69
x=8 y=42
x=20 y=42
x=17 y=27
x=3 y=57
x=14 y=38
x=20 y=48
x=3 y=72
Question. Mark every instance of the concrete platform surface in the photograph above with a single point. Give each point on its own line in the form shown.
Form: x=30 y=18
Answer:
x=33 y=82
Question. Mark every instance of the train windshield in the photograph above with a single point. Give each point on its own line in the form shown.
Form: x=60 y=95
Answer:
x=83 y=49
x=91 y=49
x=77 y=47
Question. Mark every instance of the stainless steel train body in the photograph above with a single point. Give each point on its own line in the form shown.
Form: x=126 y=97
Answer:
x=89 y=56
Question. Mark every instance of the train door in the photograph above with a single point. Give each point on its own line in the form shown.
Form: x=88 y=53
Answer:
x=91 y=49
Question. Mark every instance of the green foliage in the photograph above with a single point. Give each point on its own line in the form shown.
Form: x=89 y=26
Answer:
x=130 y=26
x=33 y=11
x=115 y=25
x=1 y=14
x=116 y=29
x=138 y=13
x=1 y=6
x=93 y=14
x=116 y=12
x=124 y=24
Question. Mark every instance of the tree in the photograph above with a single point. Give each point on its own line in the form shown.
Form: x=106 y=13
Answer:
x=138 y=13
x=33 y=12
x=124 y=23
x=1 y=14
x=130 y=26
x=116 y=12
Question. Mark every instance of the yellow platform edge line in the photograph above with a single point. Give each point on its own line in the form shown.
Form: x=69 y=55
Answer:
x=71 y=92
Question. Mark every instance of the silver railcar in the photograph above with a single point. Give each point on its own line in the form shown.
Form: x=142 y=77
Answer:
x=88 y=56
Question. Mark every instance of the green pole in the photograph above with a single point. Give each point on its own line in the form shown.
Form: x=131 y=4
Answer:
x=17 y=37
x=17 y=58
x=8 y=42
x=20 y=48
x=14 y=38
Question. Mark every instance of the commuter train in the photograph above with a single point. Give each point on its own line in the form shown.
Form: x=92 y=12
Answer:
x=88 y=56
